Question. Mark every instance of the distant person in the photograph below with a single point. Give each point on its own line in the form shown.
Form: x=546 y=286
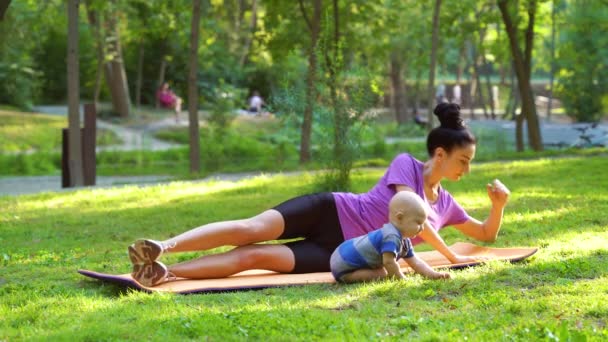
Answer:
x=168 y=99
x=374 y=255
x=495 y=96
x=420 y=120
x=457 y=92
x=440 y=93
x=255 y=103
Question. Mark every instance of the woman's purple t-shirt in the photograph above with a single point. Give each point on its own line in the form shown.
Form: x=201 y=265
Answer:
x=360 y=214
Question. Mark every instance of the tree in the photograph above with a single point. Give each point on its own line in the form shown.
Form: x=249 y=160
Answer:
x=195 y=155
x=74 y=139
x=583 y=56
x=404 y=49
x=252 y=29
x=314 y=27
x=3 y=7
x=334 y=64
x=398 y=87
x=434 y=44
x=93 y=16
x=522 y=63
x=116 y=76
x=553 y=62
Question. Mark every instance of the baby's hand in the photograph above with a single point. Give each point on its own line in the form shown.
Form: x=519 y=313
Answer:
x=441 y=275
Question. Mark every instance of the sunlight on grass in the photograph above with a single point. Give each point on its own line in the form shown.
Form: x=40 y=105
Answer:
x=560 y=291
x=515 y=218
x=27 y=131
x=128 y=197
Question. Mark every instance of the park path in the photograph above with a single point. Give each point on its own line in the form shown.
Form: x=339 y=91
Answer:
x=141 y=138
x=133 y=138
x=22 y=185
x=553 y=133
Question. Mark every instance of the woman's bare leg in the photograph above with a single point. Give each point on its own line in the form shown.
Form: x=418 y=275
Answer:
x=276 y=258
x=178 y=105
x=365 y=274
x=266 y=226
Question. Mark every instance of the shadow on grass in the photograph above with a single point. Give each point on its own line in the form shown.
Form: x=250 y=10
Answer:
x=313 y=310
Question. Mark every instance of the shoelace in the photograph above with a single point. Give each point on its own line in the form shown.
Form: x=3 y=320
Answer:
x=166 y=247
x=170 y=277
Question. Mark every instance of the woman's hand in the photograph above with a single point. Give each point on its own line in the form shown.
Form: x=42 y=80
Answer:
x=467 y=259
x=498 y=193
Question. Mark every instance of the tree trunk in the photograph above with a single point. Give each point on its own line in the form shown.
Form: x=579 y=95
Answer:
x=551 y=77
x=484 y=63
x=415 y=98
x=472 y=82
x=481 y=99
x=315 y=28
x=459 y=67
x=522 y=71
x=115 y=72
x=477 y=54
x=140 y=66
x=161 y=77
x=94 y=21
x=341 y=152
x=3 y=7
x=513 y=103
x=74 y=139
x=195 y=154
x=249 y=38
x=398 y=89
x=519 y=131
x=434 y=44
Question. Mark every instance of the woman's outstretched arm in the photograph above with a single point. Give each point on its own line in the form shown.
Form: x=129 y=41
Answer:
x=488 y=229
x=430 y=235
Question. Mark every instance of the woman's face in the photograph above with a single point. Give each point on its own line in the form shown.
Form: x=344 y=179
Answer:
x=455 y=164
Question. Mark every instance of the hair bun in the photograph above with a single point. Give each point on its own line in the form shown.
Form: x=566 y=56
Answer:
x=449 y=115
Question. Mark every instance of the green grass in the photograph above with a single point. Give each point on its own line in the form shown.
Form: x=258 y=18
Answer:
x=32 y=132
x=250 y=144
x=20 y=131
x=560 y=293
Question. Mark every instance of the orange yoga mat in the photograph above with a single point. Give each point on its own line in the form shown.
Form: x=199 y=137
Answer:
x=259 y=279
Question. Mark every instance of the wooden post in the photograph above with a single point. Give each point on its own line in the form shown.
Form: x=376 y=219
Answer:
x=88 y=136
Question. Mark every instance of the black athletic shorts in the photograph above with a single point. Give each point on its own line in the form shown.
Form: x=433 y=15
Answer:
x=314 y=218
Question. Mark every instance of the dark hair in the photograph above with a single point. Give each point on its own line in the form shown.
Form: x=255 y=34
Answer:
x=451 y=131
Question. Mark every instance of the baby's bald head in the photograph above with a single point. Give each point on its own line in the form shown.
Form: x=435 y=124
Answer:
x=407 y=209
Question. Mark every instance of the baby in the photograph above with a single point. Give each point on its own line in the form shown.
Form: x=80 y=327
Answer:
x=374 y=256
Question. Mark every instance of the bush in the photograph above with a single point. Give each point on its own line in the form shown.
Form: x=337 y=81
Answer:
x=226 y=99
x=39 y=163
x=19 y=84
x=583 y=78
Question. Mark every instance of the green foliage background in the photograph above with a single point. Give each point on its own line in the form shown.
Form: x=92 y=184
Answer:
x=32 y=61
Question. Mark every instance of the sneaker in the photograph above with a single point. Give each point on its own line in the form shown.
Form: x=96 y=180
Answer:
x=151 y=274
x=145 y=251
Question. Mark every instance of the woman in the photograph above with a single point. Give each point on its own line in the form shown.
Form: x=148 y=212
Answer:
x=325 y=220
x=168 y=99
